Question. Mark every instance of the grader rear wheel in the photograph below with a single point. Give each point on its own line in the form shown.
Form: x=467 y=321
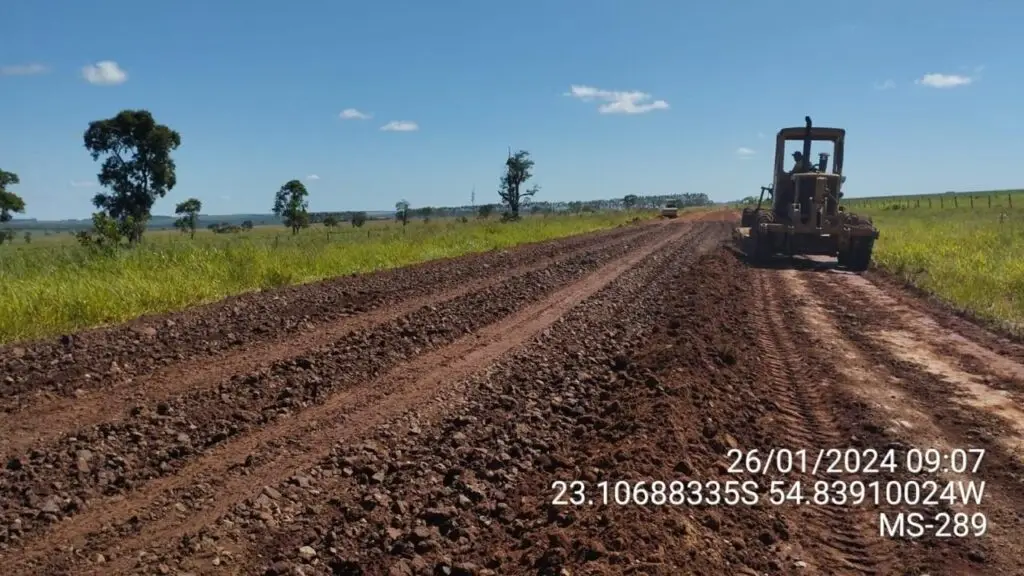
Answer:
x=859 y=257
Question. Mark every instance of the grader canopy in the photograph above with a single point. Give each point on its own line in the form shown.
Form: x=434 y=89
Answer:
x=805 y=216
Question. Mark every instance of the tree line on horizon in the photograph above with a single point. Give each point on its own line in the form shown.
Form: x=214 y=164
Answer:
x=137 y=168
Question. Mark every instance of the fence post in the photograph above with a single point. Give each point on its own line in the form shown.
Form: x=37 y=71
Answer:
x=942 y=203
x=929 y=201
x=1009 y=200
x=917 y=203
x=989 y=200
x=955 y=203
x=972 y=201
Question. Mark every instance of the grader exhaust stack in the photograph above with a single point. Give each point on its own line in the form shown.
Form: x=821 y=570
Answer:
x=805 y=216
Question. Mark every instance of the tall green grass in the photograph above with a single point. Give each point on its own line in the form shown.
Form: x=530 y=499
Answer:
x=971 y=258
x=56 y=286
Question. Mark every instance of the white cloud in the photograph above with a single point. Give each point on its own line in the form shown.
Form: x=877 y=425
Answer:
x=353 y=114
x=83 y=183
x=944 y=80
x=743 y=152
x=105 y=73
x=887 y=85
x=312 y=177
x=24 y=70
x=617 y=102
x=400 y=126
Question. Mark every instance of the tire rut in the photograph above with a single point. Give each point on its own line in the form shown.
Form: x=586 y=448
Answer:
x=799 y=392
x=908 y=419
x=226 y=479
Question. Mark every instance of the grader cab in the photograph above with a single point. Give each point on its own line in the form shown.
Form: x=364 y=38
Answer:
x=804 y=215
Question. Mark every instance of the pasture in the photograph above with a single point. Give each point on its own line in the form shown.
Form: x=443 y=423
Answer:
x=966 y=248
x=52 y=285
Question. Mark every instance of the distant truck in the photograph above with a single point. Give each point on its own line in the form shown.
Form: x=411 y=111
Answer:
x=670 y=210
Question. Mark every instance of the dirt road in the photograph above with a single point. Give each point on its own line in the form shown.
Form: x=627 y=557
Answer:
x=418 y=421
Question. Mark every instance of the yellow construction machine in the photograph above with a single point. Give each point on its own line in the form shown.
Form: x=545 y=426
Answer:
x=804 y=215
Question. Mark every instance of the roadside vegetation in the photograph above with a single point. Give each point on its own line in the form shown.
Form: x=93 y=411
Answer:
x=966 y=248
x=59 y=281
x=54 y=289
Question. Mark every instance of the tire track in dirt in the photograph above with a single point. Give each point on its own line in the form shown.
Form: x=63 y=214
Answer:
x=91 y=359
x=981 y=411
x=1007 y=371
x=356 y=410
x=809 y=422
x=966 y=422
x=20 y=430
x=117 y=457
x=995 y=337
x=908 y=420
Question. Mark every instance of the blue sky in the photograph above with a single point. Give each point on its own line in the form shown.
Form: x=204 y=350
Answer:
x=671 y=96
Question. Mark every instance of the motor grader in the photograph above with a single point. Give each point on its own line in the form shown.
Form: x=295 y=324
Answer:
x=804 y=215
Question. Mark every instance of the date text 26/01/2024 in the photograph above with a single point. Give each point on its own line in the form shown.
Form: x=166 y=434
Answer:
x=855 y=461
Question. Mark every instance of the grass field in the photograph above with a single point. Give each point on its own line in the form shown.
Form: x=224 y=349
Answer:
x=971 y=257
x=51 y=285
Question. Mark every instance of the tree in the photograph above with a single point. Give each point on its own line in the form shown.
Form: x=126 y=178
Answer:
x=426 y=212
x=137 y=168
x=402 y=211
x=485 y=211
x=291 y=206
x=28 y=236
x=189 y=212
x=247 y=225
x=330 y=221
x=358 y=219
x=9 y=201
x=105 y=235
x=629 y=201
x=518 y=168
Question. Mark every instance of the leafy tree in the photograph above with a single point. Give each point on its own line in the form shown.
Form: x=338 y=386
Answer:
x=28 y=236
x=629 y=201
x=189 y=212
x=518 y=168
x=358 y=219
x=402 y=211
x=137 y=168
x=9 y=201
x=426 y=212
x=330 y=221
x=6 y=235
x=106 y=233
x=575 y=206
x=485 y=211
x=247 y=225
x=291 y=206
